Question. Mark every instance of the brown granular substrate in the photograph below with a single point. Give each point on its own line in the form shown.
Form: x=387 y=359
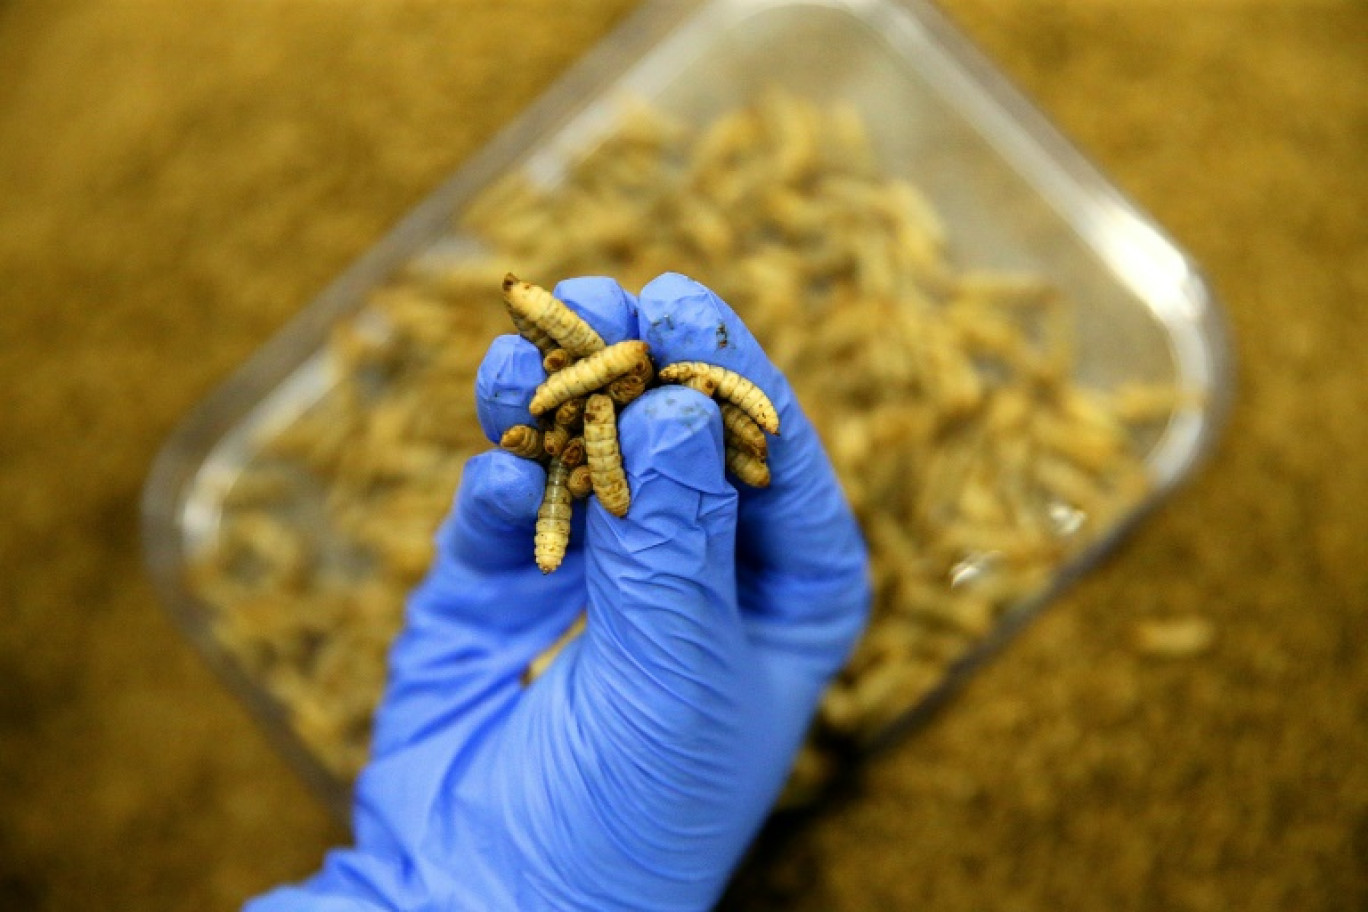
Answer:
x=176 y=178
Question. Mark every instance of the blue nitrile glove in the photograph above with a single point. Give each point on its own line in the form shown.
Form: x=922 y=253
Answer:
x=635 y=771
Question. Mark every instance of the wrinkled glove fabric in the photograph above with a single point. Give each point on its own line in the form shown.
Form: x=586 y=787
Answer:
x=635 y=771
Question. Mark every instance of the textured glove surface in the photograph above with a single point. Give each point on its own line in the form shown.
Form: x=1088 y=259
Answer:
x=633 y=774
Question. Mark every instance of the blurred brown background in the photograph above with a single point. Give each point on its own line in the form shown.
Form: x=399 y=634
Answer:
x=177 y=177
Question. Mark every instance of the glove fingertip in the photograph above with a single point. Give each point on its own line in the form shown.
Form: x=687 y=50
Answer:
x=792 y=525
x=501 y=488
x=684 y=320
x=676 y=433
x=504 y=384
x=604 y=305
x=495 y=510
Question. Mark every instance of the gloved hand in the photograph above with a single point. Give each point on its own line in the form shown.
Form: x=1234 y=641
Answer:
x=635 y=771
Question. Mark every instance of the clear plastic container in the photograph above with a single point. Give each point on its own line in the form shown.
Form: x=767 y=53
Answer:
x=1014 y=197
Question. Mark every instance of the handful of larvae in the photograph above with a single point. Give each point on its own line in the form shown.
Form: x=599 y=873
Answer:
x=587 y=383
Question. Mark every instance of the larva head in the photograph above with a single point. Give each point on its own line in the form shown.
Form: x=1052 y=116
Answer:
x=570 y=413
x=556 y=359
x=677 y=372
x=522 y=440
x=580 y=482
x=554 y=440
x=572 y=454
x=598 y=409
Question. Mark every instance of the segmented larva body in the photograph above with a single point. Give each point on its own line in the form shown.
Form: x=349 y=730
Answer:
x=644 y=368
x=747 y=468
x=703 y=384
x=553 y=519
x=626 y=389
x=580 y=483
x=742 y=432
x=554 y=439
x=632 y=384
x=522 y=440
x=532 y=332
x=556 y=359
x=573 y=453
x=730 y=386
x=605 y=457
x=570 y=414
x=588 y=374
x=543 y=310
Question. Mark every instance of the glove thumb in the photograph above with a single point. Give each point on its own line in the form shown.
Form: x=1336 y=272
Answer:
x=664 y=628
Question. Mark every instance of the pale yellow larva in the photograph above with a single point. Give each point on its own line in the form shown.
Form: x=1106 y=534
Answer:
x=543 y=310
x=588 y=374
x=625 y=389
x=556 y=359
x=522 y=440
x=747 y=468
x=552 y=536
x=573 y=453
x=742 y=432
x=554 y=439
x=730 y=386
x=702 y=383
x=605 y=456
x=570 y=415
x=580 y=482
x=533 y=333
